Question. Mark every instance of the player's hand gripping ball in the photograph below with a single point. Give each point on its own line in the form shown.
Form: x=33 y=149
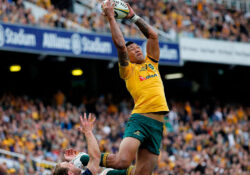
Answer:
x=121 y=10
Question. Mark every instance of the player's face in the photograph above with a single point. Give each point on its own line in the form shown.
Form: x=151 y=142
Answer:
x=72 y=169
x=135 y=54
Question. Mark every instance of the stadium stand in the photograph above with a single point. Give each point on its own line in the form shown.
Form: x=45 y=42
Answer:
x=202 y=19
x=197 y=139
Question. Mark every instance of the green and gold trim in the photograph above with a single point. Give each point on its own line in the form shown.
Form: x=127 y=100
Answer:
x=129 y=170
x=124 y=11
x=104 y=160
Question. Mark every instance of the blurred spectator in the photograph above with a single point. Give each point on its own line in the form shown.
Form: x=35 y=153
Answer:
x=15 y=13
x=59 y=98
x=44 y=3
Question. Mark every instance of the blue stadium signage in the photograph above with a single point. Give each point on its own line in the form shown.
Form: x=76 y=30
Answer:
x=73 y=44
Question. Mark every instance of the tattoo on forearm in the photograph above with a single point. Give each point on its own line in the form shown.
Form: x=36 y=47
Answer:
x=119 y=43
x=143 y=26
x=123 y=58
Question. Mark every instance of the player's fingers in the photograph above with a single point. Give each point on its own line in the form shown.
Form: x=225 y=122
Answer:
x=130 y=8
x=112 y=3
x=103 y=5
x=84 y=120
x=90 y=117
x=81 y=119
x=85 y=117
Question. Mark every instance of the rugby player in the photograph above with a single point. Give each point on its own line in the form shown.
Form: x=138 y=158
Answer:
x=143 y=133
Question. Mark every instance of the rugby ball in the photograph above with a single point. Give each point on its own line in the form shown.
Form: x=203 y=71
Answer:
x=120 y=8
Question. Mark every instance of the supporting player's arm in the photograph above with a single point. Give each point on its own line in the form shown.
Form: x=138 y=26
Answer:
x=153 y=48
x=93 y=148
x=116 y=34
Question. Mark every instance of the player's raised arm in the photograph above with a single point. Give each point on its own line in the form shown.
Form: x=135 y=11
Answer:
x=108 y=9
x=153 y=49
x=93 y=148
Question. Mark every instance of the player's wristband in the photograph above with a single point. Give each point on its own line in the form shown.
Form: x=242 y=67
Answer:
x=134 y=18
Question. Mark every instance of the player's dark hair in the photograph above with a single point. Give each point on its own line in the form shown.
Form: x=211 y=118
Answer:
x=60 y=170
x=129 y=43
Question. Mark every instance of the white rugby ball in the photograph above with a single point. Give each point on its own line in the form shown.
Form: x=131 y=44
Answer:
x=121 y=9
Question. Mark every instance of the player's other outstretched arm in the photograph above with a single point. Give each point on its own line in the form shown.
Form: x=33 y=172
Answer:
x=153 y=49
x=93 y=148
x=117 y=36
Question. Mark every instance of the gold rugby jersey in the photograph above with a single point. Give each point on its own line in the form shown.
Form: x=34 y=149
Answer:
x=144 y=83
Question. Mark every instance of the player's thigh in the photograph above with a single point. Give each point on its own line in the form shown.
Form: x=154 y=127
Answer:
x=145 y=162
x=128 y=149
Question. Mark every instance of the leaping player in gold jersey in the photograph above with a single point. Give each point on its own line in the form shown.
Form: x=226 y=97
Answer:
x=143 y=133
x=144 y=129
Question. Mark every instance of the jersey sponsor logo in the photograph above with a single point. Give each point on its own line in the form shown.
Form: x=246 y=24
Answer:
x=147 y=77
x=142 y=78
x=144 y=68
x=151 y=66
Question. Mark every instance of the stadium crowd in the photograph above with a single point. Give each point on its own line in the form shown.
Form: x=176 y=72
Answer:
x=176 y=18
x=198 y=139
